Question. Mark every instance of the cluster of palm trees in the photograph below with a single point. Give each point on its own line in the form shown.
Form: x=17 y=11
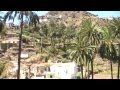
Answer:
x=80 y=44
x=92 y=40
x=83 y=50
x=110 y=46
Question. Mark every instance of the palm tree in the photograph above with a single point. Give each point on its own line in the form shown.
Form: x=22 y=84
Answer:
x=1 y=24
x=1 y=29
x=82 y=52
x=118 y=75
x=53 y=29
x=12 y=15
x=90 y=32
x=115 y=26
x=43 y=32
x=107 y=48
x=60 y=31
x=34 y=20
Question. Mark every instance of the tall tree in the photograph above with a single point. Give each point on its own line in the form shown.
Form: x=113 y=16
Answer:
x=53 y=30
x=115 y=26
x=43 y=32
x=1 y=29
x=34 y=20
x=90 y=32
x=12 y=15
x=82 y=52
x=107 y=48
x=1 y=24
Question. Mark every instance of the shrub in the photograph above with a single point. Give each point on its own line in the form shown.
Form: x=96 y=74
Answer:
x=2 y=66
x=25 y=39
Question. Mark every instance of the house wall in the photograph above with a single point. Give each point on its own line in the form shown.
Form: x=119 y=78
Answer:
x=65 y=70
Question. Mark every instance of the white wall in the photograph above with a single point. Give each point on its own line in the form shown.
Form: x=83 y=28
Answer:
x=65 y=70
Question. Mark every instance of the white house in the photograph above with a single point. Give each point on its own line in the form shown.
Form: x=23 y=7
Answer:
x=64 y=70
x=24 y=55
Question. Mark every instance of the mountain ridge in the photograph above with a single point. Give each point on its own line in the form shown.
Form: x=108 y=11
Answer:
x=75 y=17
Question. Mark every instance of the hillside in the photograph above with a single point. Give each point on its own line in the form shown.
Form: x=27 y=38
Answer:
x=49 y=43
x=76 y=17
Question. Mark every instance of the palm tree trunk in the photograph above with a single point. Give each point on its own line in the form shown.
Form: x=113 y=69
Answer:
x=54 y=47
x=88 y=70
x=92 y=69
x=118 y=69
x=29 y=71
x=81 y=70
x=19 y=55
x=41 y=44
x=118 y=62
x=34 y=35
x=111 y=69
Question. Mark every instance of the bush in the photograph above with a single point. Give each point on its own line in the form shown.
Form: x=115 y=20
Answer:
x=2 y=66
x=25 y=39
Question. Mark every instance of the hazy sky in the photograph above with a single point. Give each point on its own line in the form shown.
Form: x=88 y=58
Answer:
x=106 y=14
x=102 y=14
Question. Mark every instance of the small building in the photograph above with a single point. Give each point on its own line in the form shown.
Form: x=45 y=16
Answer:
x=64 y=70
x=24 y=55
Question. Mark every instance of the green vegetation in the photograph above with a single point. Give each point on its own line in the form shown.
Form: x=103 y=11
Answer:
x=2 y=66
x=69 y=43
